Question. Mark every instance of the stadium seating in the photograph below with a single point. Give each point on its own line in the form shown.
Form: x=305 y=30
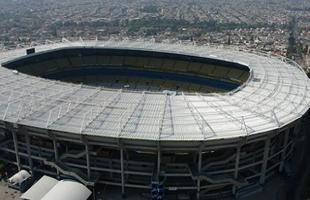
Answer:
x=139 y=69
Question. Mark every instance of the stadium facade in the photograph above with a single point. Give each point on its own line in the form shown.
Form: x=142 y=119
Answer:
x=204 y=121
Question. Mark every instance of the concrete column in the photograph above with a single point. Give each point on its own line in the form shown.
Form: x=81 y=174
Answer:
x=56 y=155
x=158 y=161
x=16 y=149
x=55 y=149
x=265 y=160
x=29 y=151
x=87 y=160
x=122 y=171
x=236 y=172
x=283 y=153
x=199 y=172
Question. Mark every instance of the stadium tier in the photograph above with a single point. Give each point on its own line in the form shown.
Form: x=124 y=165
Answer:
x=195 y=120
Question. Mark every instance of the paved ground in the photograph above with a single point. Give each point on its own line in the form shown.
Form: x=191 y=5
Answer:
x=7 y=193
x=110 y=193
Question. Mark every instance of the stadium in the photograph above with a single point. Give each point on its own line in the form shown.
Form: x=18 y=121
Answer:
x=202 y=121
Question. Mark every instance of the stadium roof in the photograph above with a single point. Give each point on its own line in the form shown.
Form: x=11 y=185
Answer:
x=276 y=94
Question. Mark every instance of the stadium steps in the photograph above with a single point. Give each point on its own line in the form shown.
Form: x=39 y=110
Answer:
x=142 y=167
x=72 y=172
x=220 y=162
x=216 y=179
x=249 y=190
x=138 y=180
x=73 y=154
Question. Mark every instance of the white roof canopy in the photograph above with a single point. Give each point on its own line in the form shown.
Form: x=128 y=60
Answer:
x=68 y=190
x=40 y=188
x=48 y=188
